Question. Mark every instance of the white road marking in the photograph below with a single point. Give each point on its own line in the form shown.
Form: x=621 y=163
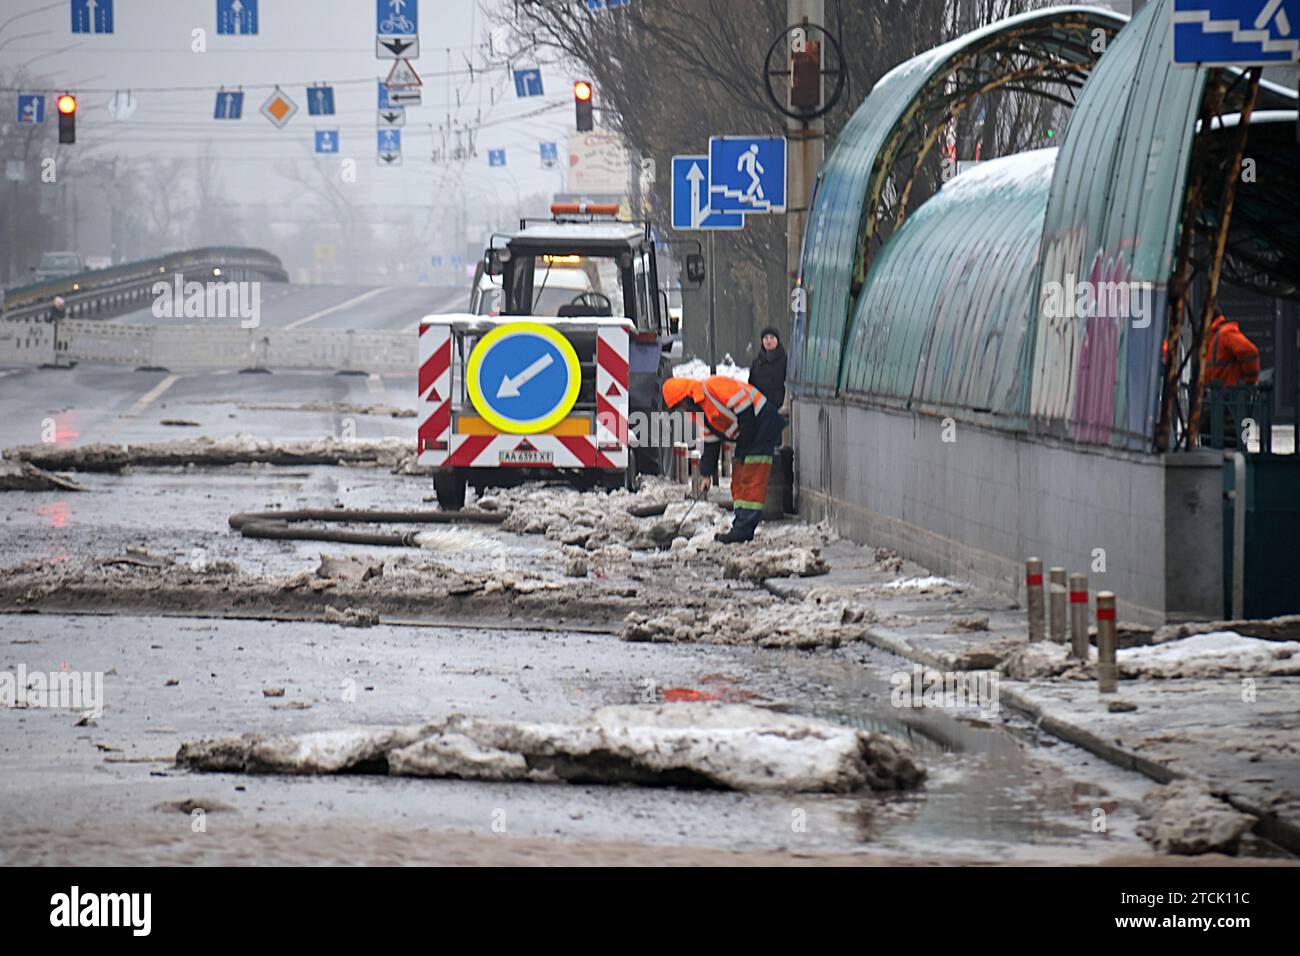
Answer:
x=363 y=297
x=150 y=396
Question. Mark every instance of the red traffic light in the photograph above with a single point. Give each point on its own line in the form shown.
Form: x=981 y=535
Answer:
x=67 y=104
x=582 y=90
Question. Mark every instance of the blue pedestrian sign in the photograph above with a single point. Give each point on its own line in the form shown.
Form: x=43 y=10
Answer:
x=397 y=18
x=327 y=141
x=691 y=209
x=390 y=140
x=31 y=108
x=747 y=174
x=237 y=17
x=528 y=83
x=92 y=16
x=230 y=105
x=496 y=157
x=1236 y=32
x=320 y=100
x=523 y=378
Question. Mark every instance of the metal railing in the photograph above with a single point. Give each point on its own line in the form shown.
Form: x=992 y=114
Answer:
x=103 y=293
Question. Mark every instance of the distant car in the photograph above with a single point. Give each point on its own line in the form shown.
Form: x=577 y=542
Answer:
x=554 y=288
x=57 y=265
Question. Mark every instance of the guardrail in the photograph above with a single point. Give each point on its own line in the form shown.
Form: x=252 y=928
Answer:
x=104 y=293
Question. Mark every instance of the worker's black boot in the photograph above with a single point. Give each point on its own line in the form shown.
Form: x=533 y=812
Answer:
x=742 y=528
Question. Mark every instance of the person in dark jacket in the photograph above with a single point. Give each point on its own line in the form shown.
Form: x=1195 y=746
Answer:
x=767 y=371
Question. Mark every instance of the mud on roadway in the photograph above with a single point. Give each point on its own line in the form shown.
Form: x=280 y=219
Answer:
x=568 y=604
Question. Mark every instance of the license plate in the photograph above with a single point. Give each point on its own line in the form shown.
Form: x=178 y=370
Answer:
x=526 y=457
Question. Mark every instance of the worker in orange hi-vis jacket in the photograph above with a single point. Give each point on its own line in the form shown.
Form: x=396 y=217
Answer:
x=1232 y=359
x=736 y=412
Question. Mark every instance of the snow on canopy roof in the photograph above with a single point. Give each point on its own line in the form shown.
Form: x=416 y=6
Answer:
x=837 y=218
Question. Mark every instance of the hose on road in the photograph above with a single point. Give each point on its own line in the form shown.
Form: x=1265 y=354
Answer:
x=275 y=525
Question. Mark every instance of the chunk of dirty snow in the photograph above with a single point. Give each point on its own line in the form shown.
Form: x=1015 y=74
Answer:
x=729 y=746
x=698 y=369
x=352 y=617
x=775 y=563
x=1184 y=818
x=802 y=625
x=330 y=751
x=930 y=584
x=24 y=476
x=1210 y=655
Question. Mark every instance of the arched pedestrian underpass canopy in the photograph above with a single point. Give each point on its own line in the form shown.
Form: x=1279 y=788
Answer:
x=950 y=312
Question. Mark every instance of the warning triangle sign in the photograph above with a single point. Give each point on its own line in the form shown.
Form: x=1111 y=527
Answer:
x=525 y=445
x=403 y=76
x=613 y=390
x=433 y=396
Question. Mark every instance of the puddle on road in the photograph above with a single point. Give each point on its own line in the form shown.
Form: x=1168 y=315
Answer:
x=988 y=791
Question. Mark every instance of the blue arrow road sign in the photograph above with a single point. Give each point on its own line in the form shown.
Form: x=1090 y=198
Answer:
x=397 y=18
x=496 y=157
x=691 y=197
x=320 y=100
x=550 y=155
x=522 y=374
x=327 y=141
x=528 y=83
x=747 y=173
x=237 y=17
x=1240 y=32
x=31 y=108
x=230 y=105
x=390 y=140
x=92 y=16
x=437 y=262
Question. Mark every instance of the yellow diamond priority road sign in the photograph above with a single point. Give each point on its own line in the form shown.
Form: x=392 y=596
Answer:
x=279 y=109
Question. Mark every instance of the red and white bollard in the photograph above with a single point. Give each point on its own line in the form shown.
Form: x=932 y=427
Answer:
x=1079 y=616
x=1034 y=598
x=1107 y=669
x=1056 y=604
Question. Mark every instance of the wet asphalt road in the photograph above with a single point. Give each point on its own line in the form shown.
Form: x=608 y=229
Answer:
x=92 y=794
x=93 y=403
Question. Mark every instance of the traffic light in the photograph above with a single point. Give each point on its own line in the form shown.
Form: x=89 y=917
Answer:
x=806 y=76
x=582 y=94
x=67 y=118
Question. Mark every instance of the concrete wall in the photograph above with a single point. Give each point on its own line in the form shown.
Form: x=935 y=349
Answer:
x=976 y=507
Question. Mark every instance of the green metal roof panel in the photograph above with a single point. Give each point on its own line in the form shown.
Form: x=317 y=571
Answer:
x=944 y=318
x=836 y=218
x=1113 y=217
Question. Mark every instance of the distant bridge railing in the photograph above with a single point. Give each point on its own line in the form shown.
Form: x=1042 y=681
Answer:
x=104 y=293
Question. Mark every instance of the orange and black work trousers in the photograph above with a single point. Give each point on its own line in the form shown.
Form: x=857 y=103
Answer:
x=752 y=471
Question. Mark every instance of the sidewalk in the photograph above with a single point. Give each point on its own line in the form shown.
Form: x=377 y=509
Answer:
x=1232 y=724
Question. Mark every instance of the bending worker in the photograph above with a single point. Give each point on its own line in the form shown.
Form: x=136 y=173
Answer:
x=736 y=412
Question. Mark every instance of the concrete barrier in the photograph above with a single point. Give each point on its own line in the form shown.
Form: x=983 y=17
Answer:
x=26 y=342
x=176 y=347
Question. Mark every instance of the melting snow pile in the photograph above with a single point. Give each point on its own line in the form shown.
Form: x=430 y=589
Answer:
x=1185 y=818
x=775 y=563
x=731 y=746
x=1209 y=655
x=698 y=369
x=1202 y=656
x=805 y=625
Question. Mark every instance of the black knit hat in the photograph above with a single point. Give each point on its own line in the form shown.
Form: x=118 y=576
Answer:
x=770 y=330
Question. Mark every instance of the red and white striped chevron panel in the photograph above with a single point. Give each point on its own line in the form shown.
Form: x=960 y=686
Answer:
x=435 y=394
x=612 y=395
